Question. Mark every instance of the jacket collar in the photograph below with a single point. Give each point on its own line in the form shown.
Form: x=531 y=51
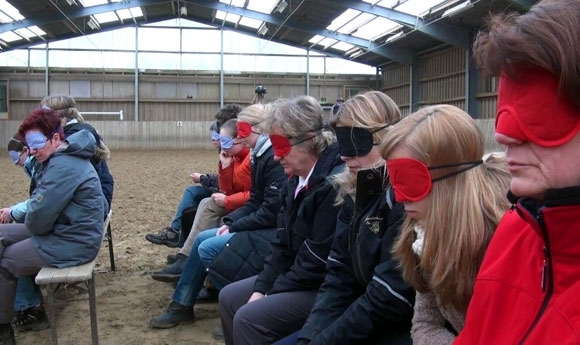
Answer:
x=555 y=219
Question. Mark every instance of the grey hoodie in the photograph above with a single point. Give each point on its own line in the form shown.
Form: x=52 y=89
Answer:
x=65 y=211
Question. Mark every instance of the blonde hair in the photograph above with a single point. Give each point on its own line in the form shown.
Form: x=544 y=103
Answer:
x=300 y=118
x=370 y=110
x=464 y=209
x=65 y=107
x=254 y=115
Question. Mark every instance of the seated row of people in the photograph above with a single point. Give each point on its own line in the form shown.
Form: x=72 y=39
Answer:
x=333 y=272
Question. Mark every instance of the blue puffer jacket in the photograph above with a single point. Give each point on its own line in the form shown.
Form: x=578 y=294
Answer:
x=65 y=211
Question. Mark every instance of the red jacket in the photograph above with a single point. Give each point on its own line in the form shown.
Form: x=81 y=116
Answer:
x=235 y=181
x=528 y=288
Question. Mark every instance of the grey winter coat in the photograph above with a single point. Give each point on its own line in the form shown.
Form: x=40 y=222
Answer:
x=65 y=212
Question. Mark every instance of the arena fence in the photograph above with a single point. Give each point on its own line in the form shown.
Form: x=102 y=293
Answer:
x=162 y=135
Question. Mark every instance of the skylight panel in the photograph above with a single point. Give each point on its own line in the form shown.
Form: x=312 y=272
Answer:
x=253 y=23
x=387 y=3
x=237 y=3
x=315 y=39
x=9 y=36
x=343 y=46
x=127 y=12
x=233 y=18
x=25 y=33
x=418 y=7
x=228 y=17
x=8 y=13
x=106 y=17
x=327 y=42
x=354 y=24
x=376 y=28
x=89 y=3
x=344 y=18
x=264 y=6
x=372 y=2
x=4 y=18
x=221 y=15
x=36 y=30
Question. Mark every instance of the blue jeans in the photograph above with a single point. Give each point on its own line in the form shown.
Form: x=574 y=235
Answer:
x=205 y=248
x=191 y=197
x=27 y=294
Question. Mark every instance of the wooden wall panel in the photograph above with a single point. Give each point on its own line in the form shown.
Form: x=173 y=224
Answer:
x=443 y=77
x=397 y=85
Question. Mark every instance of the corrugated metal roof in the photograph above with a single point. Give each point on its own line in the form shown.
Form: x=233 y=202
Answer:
x=452 y=22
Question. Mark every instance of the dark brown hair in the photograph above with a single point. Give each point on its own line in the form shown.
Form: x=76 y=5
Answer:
x=45 y=120
x=17 y=143
x=546 y=37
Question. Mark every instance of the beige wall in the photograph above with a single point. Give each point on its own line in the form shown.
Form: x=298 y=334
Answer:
x=164 y=96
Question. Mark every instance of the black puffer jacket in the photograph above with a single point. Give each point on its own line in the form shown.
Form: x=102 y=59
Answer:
x=305 y=230
x=260 y=211
x=254 y=223
x=242 y=257
x=107 y=181
x=364 y=299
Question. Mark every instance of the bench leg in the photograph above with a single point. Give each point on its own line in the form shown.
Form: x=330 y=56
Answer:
x=93 y=311
x=51 y=312
x=111 y=253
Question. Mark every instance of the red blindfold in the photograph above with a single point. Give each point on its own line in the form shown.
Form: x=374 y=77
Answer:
x=411 y=178
x=281 y=145
x=244 y=129
x=532 y=109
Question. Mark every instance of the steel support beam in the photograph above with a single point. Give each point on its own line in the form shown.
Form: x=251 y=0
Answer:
x=76 y=12
x=396 y=54
x=447 y=33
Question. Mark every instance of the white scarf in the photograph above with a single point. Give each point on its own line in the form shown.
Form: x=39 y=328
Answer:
x=420 y=236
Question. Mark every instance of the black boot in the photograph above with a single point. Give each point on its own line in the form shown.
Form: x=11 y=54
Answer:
x=171 y=273
x=31 y=319
x=176 y=314
x=7 y=335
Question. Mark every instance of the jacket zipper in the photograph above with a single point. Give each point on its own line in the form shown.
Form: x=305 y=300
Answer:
x=354 y=226
x=546 y=282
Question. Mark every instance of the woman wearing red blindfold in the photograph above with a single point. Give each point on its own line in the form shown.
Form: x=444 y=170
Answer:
x=528 y=288
x=371 y=303
x=453 y=200
x=276 y=302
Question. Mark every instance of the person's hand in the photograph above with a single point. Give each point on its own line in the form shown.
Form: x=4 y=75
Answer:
x=195 y=177
x=256 y=296
x=219 y=199
x=223 y=230
x=5 y=216
x=225 y=159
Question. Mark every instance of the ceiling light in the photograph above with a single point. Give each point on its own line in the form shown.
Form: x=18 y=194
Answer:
x=281 y=6
x=183 y=11
x=92 y=24
x=395 y=37
x=457 y=9
x=263 y=29
x=71 y=2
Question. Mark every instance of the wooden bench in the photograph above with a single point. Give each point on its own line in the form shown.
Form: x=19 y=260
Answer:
x=53 y=277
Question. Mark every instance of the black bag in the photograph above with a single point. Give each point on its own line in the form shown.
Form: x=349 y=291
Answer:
x=187 y=217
